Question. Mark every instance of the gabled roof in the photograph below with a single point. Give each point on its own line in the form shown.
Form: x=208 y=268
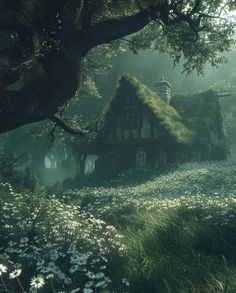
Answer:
x=166 y=115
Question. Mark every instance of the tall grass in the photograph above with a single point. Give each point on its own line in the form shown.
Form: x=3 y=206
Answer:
x=183 y=250
x=179 y=229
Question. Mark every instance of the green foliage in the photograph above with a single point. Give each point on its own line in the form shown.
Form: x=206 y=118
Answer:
x=41 y=34
x=181 y=41
x=186 y=249
x=31 y=8
x=11 y=171
x=200 y=112
x=151 y=37
x=213 y=33
x=228 y=104
x=197 y=42
x=8 y=39
x=112 y=210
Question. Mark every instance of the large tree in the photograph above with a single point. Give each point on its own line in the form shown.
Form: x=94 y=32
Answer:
x=43 y=44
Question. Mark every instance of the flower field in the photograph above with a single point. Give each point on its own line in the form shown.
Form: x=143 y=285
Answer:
x=174 y=233
x=55 y=247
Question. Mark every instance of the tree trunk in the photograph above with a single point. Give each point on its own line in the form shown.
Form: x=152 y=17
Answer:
x=54 y=84
x=50 y=81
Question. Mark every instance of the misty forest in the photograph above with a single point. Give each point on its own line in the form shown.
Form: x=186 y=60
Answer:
x=118 y=146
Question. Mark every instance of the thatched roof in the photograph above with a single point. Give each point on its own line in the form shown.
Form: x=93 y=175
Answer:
x=199 y=111
x=166 y=116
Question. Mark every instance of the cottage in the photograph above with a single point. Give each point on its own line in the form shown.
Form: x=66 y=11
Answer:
x=145 y=128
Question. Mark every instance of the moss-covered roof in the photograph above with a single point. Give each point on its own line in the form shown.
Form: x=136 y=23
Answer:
x=199 y=111
x=166 y=116
x=186 y=120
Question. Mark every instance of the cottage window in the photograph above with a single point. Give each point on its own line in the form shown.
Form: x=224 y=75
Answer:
x=131 y=118
x=146 y=127
x=214 y=133
x=156 y=132
x=126 y=134
x=134 y=134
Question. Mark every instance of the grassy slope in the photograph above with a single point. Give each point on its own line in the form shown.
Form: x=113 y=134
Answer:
x=174 y=233
x=180 y=229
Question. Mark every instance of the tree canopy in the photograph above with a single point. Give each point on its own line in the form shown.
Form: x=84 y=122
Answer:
x=47 y=48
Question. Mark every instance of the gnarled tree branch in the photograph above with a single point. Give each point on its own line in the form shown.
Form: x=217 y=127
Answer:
x=196 y=7
x=113 y=29
x=60 y=121
x=61 y=66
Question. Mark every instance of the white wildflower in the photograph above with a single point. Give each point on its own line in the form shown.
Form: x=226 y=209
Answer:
x=15 y=274
x=75 y=290
x=87 y=290
x=100 y=284
x=50 y=276
x=37 y=282
x=3 y=269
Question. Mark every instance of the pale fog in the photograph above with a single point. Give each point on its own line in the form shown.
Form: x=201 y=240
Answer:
x=56 y=162
x=59 y=163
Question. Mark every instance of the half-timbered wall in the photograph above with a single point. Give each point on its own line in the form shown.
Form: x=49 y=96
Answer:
x=146 y=127
x=133 y=123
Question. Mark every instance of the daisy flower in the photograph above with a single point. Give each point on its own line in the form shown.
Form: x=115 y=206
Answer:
x=37 y=282
x=3 y=269
x=15 y=274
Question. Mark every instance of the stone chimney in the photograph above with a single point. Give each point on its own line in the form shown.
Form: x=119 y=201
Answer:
x=163 y=88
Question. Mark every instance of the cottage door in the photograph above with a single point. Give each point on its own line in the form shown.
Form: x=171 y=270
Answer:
x=141 y=158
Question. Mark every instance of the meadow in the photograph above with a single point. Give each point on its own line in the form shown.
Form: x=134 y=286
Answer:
x=175 y=233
